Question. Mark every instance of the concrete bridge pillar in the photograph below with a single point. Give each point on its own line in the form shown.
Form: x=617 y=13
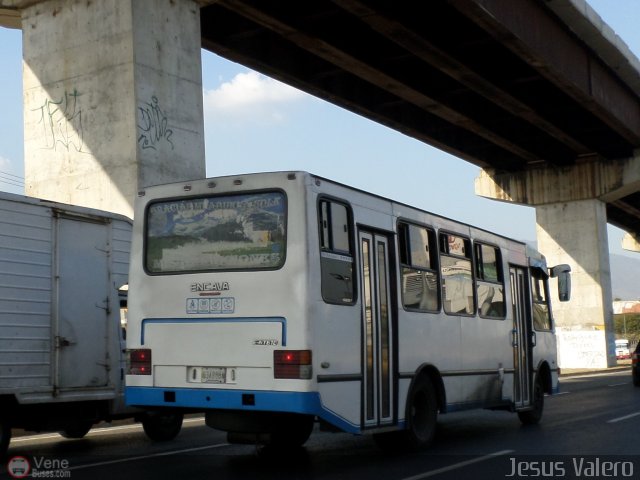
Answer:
x=112 y=98
x=576 y=233
x=572 y=228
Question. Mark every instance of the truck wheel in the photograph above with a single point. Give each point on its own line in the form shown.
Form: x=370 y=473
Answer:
x=5 y=436
x=161 y=427
x=76 y=430
x=533 y=416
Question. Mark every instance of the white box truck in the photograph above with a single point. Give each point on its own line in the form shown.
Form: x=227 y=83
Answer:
x=62 y=360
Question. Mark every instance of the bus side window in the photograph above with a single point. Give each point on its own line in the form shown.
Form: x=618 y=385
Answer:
x=456 y=275
x=541 y=317
x=489 y=281
x=418 y=263
x=336 y=255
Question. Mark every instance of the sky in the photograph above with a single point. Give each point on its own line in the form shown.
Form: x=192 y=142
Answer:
x=254 y=123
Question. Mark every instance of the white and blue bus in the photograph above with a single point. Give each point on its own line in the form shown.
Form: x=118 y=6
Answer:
x=273 y=301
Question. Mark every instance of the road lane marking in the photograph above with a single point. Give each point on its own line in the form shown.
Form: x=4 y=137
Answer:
x=618 y=384
x=31 y=438
x=138 y=426
x=456 y=466
x=592 y=375
x=152 y=455
x=619 y=419
x=96 y=431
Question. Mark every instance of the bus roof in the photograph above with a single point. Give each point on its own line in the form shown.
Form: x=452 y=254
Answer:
x=531 y=252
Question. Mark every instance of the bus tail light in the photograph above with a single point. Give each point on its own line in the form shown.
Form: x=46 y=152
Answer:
x=139 y=361
x=292 y=364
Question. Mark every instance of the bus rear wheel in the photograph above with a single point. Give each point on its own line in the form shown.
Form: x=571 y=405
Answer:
x=294 y=433
x=421 y=419
x=162 y=426
x=421 y=415
x=534 y=415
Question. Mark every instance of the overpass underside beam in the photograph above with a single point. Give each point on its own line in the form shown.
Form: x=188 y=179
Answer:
x=571 y=215
x=631 y=242
x=112 y=99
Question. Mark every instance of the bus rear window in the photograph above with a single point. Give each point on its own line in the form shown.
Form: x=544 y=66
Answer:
x=232 y=232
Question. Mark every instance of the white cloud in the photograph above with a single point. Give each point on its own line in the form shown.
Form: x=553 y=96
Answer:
x=250 y=97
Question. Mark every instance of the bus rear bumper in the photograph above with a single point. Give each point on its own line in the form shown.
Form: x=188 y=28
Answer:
x=307 y=403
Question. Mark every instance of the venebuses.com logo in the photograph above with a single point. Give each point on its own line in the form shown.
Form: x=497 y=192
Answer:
x=38 y=467
x=19 y=467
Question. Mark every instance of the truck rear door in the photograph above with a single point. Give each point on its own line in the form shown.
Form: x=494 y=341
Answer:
x=81 y=333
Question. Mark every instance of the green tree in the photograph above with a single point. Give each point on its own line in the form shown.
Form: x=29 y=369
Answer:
x=627 y=325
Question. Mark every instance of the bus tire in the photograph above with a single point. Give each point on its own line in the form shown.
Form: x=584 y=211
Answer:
x=5 y=436
x=76 y=430
x=294 y=433
x=162 y=426
x=534 y=415
x=421 y=415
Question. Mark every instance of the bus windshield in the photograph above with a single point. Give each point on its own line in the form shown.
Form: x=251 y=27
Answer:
x=230 y=232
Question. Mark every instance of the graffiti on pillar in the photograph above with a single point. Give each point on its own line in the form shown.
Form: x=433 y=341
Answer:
x=61 y=119
x=153 y=125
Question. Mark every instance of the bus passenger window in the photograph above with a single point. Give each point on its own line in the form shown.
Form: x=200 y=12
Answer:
x=541 y=317
x=456 y=277
x=340 y=227
x=417 y=247
x=336 y=255
x=489 y=282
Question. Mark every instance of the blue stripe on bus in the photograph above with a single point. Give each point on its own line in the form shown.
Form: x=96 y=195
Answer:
x=294 y=402
x=281 y=320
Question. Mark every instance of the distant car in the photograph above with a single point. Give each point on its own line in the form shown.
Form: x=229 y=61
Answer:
x=622 y=349
x=635 y=366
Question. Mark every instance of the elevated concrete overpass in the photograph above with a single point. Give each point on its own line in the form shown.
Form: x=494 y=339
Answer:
x=542 y=95
x=510 y=86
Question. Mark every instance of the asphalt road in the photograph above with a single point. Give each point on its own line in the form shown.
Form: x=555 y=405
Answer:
x=588 y=431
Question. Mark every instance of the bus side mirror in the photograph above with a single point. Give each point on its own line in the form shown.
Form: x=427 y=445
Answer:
x=564 y=281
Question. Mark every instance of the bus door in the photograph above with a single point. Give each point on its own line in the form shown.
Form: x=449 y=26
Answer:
x=520 y=336
x=377 y=329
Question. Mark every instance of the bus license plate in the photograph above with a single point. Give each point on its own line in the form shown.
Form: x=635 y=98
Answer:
x=213 y=375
